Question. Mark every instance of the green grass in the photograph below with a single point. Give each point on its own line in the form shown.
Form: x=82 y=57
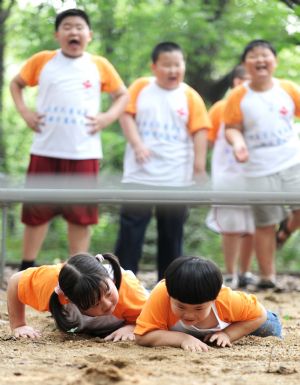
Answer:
x=198 y=240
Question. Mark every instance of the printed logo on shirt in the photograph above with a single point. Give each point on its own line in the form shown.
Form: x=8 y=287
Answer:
x=87 y=84
x=65 y=115
x=283 y=111
x=181 y=112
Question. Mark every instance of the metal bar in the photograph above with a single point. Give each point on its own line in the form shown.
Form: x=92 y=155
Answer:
x=163 y=196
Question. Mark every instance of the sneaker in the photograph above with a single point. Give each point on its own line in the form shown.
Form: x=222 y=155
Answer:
x=247 y=279
x=230 y=280
x=264 y=284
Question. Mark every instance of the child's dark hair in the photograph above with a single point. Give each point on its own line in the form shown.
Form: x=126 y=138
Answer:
x=238 y=72
x=257 y=43
x=193 y=280
x=165 y=46
x=83 y=279
x=71 y=12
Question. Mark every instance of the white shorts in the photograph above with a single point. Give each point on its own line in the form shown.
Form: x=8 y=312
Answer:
x=231 y=219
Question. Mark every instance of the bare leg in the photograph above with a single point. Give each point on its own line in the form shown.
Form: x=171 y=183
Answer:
x=231 y=246
x=265 y=251
x=246 y=252
x=33 y=239
x=79 y=238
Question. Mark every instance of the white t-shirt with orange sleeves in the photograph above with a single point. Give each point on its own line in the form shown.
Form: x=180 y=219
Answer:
x=267 y=125
x=224 y=164
x=37 y=284
x=166 y=121
x=231 y=306
x=69 y=89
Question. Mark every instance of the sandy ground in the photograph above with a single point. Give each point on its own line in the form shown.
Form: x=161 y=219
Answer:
x=65 y=359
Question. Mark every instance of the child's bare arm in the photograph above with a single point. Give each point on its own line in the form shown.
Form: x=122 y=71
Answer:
x=32 y=118
x=200 y=149
x=103 y=119
x=130 y=130
x=171 y=338
x=236 y=331
x=235 y=137
x=16 y=310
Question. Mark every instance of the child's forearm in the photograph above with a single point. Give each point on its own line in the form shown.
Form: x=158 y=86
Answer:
x=161 y=338
x=16 y=89
x=238 y=330
x=16 y=309
x=234 y=136
x=120 y=100
x=200 y=150
x=130 y=130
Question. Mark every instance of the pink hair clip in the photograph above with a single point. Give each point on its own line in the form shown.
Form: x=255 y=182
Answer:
x=100 y=258
x=58 y=290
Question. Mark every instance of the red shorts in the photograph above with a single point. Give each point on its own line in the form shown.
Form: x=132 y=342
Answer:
x=38 y=214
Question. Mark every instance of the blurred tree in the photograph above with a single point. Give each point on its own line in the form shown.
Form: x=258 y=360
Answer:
x=5 y=9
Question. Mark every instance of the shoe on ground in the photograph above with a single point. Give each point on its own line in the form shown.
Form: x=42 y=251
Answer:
x=231 y=280
x=265 y=284
x=247 y=279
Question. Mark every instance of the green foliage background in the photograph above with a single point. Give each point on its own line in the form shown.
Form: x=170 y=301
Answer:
x=212 y=34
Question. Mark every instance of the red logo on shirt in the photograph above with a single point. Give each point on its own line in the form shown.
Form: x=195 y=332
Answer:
x=181 y=112
x=87 y=84
x=283 y=111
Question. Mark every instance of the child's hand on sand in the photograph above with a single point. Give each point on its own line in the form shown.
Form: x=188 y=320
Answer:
x=26 y=332
x=125 y=333
x=192 y=344
x=221 y=339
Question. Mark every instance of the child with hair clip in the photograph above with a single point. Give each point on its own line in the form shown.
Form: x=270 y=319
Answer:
x=191 y=308
x=84 y=295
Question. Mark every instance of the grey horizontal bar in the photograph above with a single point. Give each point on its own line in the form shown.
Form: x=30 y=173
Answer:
x=110 y=190
x=146 y=196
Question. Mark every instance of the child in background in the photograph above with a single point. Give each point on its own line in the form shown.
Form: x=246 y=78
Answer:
x=191 y=304
x=165 y=124
x=235 y=223
x=259 y=117
x=66 y=125
x=84 y=295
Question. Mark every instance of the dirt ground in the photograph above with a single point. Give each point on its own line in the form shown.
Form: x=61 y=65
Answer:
x=63 y=359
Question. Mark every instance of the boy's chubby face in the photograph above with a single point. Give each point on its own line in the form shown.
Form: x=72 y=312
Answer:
x=260 y=63
x=191 y=314
x=169 y=69
x=73 y=35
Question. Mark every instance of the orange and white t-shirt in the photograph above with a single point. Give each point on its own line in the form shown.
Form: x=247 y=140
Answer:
x=231 y=306
x=267 y=125
x=37 y=284
x=69 y=89
x=166 y=121
x=224 y=166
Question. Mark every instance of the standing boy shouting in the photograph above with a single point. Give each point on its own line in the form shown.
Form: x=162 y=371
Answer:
x=259 y=118
x=235 y=223
x=66 y=123
x=165 y=124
